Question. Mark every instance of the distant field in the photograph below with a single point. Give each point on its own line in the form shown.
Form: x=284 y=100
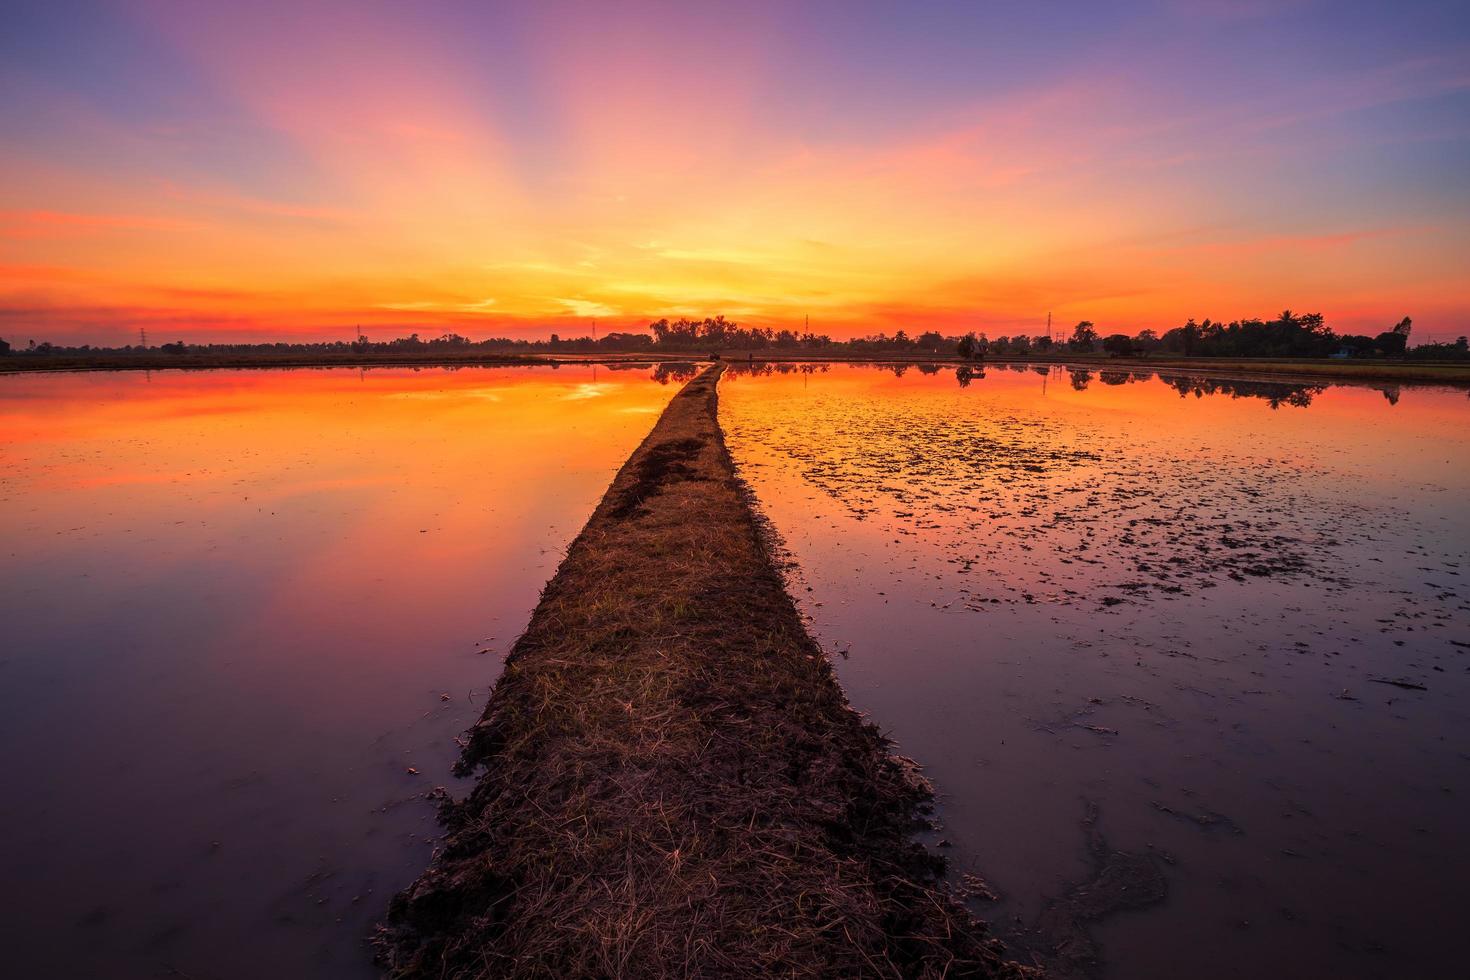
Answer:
x=1351 y=370
x=1299 y=367
x=162 y=362
x=1316 y=368
x=1365 y=370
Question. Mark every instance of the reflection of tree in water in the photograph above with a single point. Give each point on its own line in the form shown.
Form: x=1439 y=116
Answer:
x=766 y=369
x=742 y=369
x=1276 y=393
x=674 y=371
x=1390 y=392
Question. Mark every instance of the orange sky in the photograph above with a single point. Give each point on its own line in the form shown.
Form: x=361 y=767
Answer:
x=210 y=172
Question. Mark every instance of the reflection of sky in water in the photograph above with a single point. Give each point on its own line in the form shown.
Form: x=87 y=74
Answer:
x=1173 y=597
x=234 y=605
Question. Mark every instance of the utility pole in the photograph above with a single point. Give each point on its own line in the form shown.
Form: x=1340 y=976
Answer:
x=142 y=336
x=1048 y=325
x=594 y=331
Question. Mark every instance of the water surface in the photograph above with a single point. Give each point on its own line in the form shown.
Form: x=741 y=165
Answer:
x=240 y=608
x=1139 y=628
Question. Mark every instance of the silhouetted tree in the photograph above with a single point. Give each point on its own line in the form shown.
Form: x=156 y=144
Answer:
x=1084 y=338
x=1393 y=343
x=1458 y=351
x=1288 y=335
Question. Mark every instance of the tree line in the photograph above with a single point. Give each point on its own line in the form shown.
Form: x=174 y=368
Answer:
x=1287 y=335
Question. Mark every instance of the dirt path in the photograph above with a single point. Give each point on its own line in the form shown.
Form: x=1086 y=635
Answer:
x=671 y=780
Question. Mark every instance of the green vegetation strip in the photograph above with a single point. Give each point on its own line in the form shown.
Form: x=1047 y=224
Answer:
x=672 y=782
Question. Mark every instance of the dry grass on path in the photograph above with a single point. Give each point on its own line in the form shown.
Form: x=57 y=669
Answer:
x=672 y=782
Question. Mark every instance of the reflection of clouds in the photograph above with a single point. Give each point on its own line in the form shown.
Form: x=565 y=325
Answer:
x=588 y=391
x=641 y=409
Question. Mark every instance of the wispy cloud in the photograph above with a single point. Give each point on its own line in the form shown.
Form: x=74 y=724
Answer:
x=588 y=308
x=301 y=168
x=61 y=224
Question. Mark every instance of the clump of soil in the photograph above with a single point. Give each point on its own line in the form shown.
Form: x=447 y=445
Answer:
x=671 y=780
x=657 y=465
x=1077 y=511
x=1120 y=880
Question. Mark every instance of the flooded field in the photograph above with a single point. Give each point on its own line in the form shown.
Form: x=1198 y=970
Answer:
x=1188 y=658
x=246 y=613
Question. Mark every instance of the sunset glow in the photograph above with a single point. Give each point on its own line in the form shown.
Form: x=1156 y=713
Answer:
x=262 y=170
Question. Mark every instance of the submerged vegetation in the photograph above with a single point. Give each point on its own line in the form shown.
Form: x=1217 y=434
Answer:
x=1230 y=634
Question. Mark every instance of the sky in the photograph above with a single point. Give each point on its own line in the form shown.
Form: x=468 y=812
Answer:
x=218 y=171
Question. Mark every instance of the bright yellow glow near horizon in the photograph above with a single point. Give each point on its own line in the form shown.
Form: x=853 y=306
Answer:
x=214 y=173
